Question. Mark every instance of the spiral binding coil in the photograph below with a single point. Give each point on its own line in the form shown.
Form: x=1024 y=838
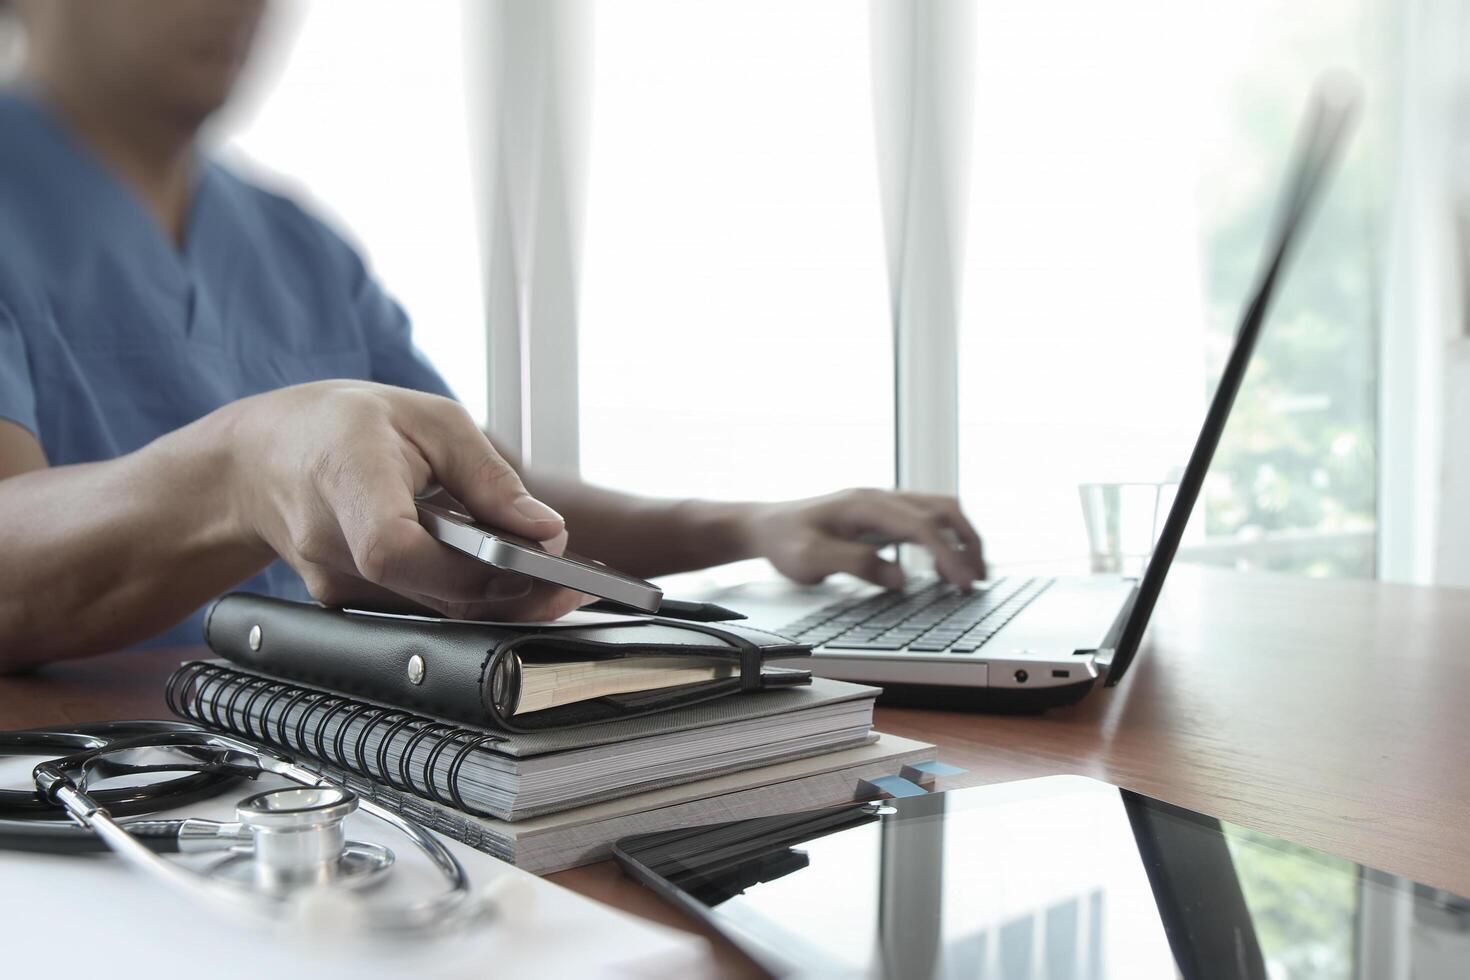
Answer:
x=224 y=698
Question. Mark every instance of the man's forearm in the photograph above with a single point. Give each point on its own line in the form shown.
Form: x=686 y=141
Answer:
x=647 y=536
x=806 y=540
x=101 y=555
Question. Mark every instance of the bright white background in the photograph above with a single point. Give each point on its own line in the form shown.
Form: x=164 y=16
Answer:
x=735 y=333
x=1082 y=325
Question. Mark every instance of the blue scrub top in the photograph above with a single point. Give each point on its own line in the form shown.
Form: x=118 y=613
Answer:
x=111 y=335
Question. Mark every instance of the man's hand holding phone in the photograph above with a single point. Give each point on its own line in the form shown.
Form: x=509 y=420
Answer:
x=327 y=476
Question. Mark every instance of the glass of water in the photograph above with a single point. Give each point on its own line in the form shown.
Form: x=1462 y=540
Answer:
x=1123 y=523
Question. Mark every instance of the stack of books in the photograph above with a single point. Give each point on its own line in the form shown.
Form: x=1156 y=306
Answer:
x=526 y=776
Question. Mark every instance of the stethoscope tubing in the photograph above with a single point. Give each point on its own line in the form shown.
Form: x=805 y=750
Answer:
x=58 y=837
x=61 y=795
x=29 y=807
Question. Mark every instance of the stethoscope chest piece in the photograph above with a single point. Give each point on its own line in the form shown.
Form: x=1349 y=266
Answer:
x=297 y=841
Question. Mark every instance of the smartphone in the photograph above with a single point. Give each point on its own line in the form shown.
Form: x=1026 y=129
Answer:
x=516 y=554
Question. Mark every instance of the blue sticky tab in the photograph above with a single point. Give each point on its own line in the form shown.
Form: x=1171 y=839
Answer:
x=936 y=768
x=896 y=786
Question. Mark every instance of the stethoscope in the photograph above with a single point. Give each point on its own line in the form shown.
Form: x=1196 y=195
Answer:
x=284 y=858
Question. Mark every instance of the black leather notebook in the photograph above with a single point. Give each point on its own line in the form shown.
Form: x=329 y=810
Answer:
x=477 y=673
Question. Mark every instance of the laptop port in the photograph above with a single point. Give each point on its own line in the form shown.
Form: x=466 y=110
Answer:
x=1021 y=676
x=1061 y=673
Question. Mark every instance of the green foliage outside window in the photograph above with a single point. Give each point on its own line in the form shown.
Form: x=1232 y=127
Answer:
x=1303 y=905
x=1299 y=457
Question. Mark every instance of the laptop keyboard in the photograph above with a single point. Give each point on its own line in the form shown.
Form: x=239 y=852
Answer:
x=924 y=617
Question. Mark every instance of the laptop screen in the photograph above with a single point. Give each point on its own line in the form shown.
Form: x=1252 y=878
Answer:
x=1329 y=119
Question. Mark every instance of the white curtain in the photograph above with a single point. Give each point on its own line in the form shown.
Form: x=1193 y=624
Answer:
x=529 y=69
x=922 y=78
x=1424 y=460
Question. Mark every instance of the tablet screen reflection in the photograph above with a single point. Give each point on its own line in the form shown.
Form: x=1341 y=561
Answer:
x=1057 y=878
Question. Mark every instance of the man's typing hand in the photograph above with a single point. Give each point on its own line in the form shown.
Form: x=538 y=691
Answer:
x=808 y=540
x=325 y=476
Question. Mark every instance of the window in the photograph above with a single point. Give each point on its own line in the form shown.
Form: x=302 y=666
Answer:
x=1294 y=486
x=734 y=315
x=363 y=110
x=1303 y=905
x=1120 y=196
x=735 y=338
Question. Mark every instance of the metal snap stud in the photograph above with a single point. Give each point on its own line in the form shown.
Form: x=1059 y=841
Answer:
x=416 y=669
x=255 y=637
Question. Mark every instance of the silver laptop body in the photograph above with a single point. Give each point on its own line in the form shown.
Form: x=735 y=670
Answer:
x=1032 y=634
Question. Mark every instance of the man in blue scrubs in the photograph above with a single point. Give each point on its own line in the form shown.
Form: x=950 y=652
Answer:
x=203 y=388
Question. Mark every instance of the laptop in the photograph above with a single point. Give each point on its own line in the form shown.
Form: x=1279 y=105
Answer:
x=1035 y=643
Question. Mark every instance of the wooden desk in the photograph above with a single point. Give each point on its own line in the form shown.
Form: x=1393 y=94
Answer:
x=1334 y=714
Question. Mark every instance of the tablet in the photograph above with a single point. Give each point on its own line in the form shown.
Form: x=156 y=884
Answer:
x=1055 y=877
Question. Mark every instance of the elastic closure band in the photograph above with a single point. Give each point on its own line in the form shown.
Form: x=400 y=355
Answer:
x=750 y=653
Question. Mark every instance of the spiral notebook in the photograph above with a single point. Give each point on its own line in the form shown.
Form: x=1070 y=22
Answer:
x=557 y=841
x=512 y=775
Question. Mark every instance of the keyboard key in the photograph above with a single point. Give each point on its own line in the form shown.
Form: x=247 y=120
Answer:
x=926 y=616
